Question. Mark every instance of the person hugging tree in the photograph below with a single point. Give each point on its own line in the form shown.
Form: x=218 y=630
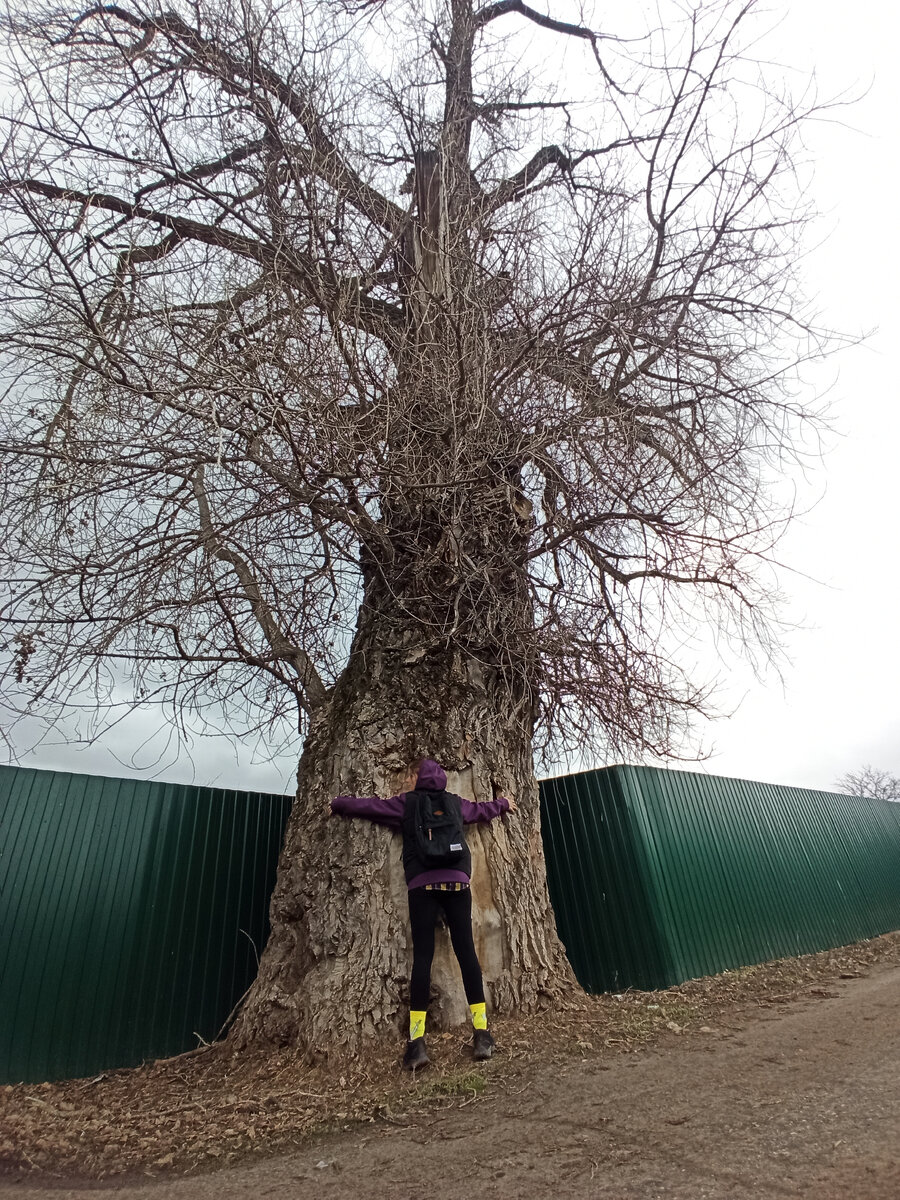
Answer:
x=438 y=868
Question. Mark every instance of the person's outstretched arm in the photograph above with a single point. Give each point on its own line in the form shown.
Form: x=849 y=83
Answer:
x=473 y=813
x=387 y=812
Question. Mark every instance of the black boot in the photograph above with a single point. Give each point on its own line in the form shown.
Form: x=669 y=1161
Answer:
x=482 y=1045
x=416 y=1055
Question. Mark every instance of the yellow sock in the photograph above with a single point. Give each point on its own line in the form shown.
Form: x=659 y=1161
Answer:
x=479 y=1016
x=416 y=1024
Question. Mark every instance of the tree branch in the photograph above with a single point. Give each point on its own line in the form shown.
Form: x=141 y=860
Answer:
x=341 y=297
x=314 y=689
x=492 y=11
x=516 y=185
x=325 y=160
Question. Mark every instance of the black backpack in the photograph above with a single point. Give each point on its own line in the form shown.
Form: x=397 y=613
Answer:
x=438 y=828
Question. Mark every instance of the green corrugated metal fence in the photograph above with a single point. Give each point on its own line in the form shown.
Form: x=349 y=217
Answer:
x=131 y=916
x=658 y=876
x=131 y=913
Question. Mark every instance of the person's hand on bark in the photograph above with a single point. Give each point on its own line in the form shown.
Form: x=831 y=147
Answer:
x=495 y=791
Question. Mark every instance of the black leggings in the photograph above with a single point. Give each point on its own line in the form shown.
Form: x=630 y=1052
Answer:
x=424 y=906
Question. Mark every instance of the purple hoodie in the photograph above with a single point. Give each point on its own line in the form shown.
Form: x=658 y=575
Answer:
x=389 y=812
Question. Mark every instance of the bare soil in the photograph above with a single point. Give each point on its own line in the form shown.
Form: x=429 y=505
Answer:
x=775 y=1081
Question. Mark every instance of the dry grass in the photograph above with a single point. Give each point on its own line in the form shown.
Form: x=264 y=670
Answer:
x=202 y=1110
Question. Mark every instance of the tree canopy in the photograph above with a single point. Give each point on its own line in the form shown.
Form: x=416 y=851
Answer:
x=271 y=269
x=870 y=781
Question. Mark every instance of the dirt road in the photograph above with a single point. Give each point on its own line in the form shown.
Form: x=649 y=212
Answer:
x=801 y=1102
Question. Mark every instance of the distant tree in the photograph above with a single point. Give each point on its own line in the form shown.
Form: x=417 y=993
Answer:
x=372 y=363
x=870 y=781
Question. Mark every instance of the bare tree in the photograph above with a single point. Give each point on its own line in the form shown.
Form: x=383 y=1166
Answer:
x=870 y=781
x=368 y=363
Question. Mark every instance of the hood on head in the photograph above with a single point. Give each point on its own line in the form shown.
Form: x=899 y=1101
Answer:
x=432 y=776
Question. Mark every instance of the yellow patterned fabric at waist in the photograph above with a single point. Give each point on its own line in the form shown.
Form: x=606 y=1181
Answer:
x=446 y=887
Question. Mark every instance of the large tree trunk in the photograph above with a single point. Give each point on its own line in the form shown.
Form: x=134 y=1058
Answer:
x=336 y=969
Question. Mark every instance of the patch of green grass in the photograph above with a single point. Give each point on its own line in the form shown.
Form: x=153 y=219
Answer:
x=467 y=1084
x=683 y=1014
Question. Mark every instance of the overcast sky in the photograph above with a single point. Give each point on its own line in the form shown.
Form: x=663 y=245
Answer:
x=836 y=705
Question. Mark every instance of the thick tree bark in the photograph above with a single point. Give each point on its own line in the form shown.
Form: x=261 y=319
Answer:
x=336 y=969
x=335 y=972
